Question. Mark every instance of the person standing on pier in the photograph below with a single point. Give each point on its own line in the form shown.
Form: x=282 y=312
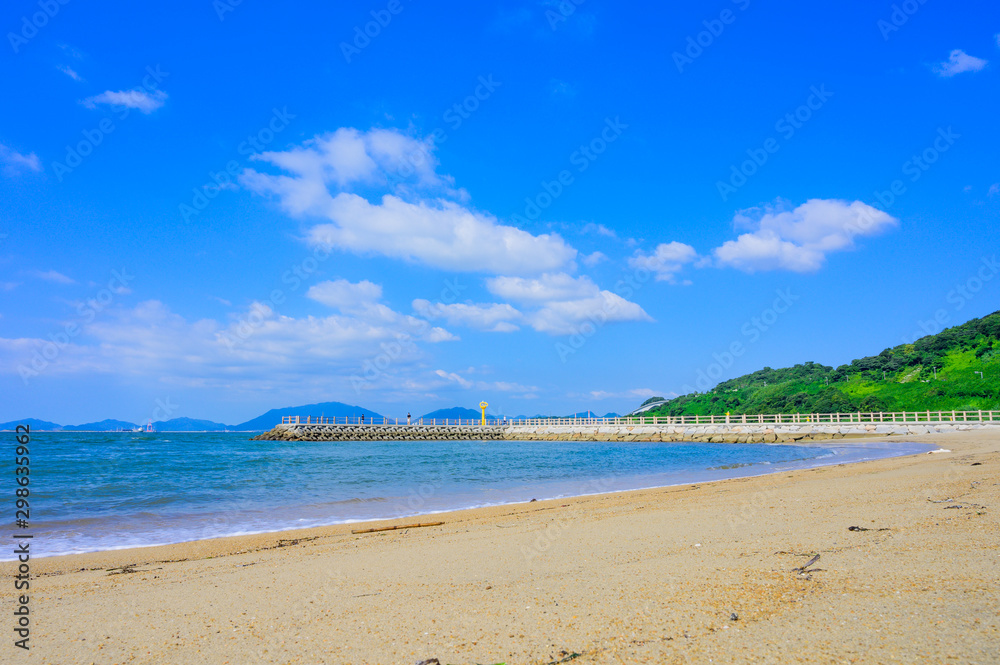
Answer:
x=407 y=417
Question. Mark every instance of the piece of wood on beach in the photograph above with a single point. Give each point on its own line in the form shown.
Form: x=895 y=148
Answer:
x=398 y=526
x=811 y=562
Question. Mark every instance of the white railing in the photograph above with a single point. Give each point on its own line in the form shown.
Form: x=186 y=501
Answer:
x=862 y=417
x=380 y=421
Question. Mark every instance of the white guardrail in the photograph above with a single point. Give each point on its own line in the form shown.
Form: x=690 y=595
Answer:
x=744 y=419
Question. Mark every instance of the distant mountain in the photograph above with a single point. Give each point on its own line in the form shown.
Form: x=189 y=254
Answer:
x=189 y=425
x=109 y=425
x=324 y=409
x=581 y=414
x=590 y=414
x=455 y=413
x=34 y=425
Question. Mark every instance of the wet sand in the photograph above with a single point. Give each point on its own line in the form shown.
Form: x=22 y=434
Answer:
x=688 y=574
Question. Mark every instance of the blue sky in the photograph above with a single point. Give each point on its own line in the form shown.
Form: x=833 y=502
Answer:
x=223 y=208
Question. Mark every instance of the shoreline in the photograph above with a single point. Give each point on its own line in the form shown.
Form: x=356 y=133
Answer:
x=881 y=448
x=651 y=575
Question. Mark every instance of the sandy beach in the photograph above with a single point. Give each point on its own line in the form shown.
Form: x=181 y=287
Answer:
x=689 y=574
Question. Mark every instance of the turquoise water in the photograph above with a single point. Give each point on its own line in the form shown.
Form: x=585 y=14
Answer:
x=97 y=491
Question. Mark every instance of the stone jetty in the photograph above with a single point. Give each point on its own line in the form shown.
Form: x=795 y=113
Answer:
x=328 y=432
x=714 y=433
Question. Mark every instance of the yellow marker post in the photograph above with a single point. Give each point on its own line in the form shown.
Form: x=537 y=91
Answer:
x=483 y=405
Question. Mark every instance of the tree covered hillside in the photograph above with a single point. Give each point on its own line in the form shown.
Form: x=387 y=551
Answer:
x=937 y=372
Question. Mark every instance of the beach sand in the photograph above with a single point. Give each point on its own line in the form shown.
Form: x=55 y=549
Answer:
x=687 y=574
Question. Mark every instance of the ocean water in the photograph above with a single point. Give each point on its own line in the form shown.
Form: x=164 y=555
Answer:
x=101 y=491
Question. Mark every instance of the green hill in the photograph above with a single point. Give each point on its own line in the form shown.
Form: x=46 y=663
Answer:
x=937 y=372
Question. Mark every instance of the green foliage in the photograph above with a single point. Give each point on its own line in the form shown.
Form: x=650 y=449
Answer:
x=937 y=372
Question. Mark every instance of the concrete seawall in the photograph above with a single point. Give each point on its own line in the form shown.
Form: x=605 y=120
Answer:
x=736 y=433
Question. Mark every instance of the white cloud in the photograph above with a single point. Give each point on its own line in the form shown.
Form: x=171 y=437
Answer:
x=345 y=295
x=994 y=189
x=567 y=317
x=70 y=51
x=257 y=346
x=564 y=303
x=560 y=88
x=494 y=317
x=666 y=261
x=592 y=260
x=52 y=276
x=141 y=100
x=15 y=162
x=599 y=229
x=70 y=72
x=348 y=156
x=959 y=61
x=452 y=376
x=644 y=393
x=435 y=230
x=799 y=239
x=500 y=386
x=441 y=234
x=548 y=287
x=361 y=301
x=554 y=303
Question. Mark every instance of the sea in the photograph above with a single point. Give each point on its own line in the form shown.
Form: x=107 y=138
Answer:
x=105 y=491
